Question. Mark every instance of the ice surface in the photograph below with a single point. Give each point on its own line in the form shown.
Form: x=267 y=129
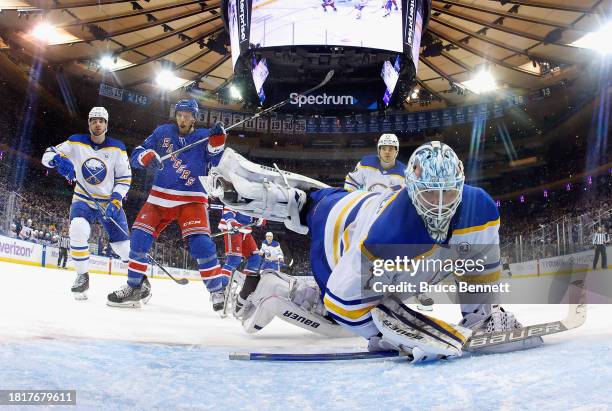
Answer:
x=172 y=354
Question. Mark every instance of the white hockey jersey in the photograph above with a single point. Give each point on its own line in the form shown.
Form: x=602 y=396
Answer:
x=101 y=168
x=369 y=175
x=272 y=251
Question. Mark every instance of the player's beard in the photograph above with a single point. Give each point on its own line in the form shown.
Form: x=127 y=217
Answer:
x=184 y=128
x=100 y=133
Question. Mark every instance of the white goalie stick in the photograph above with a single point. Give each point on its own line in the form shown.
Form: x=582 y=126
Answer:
x=270 y=109
x=576 y=317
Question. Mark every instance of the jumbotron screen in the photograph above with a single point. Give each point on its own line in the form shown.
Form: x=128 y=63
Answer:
x=360 y=23
x=388 y=25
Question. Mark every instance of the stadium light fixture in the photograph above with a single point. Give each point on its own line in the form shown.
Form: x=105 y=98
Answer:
x=598 y=41
x=110 y=63
x=48 y=34
x=167 y=80
x=415 y=94
x=107 y=63
x=44 y=32
x=483 y=82
x=235 y=93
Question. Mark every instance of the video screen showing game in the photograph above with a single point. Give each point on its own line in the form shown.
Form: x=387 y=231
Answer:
x=360 y=23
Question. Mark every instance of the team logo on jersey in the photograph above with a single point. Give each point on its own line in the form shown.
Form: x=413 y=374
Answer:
x=94 y=171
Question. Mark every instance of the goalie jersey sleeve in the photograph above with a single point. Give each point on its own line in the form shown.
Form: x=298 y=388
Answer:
x=101 y=168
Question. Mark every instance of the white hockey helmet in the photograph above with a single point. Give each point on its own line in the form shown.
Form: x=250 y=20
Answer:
x=434 y=180
x=388 y=139
x=269 y=234
x=98 y=112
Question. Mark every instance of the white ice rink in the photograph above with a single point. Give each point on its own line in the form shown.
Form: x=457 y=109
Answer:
x=172 y=354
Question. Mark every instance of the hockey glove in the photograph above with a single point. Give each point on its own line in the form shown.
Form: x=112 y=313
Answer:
x=260 y=222
x=113 y=209
x=64 y=166
x=216 y=141
x=149 y=158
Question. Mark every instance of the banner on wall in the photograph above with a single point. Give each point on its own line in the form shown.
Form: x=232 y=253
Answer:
x=362 y=123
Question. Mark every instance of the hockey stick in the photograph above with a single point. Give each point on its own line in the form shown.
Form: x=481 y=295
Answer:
x=181 y=281
x=576 y=317
x=342 y=356
x=270 y=109
x=232 y=231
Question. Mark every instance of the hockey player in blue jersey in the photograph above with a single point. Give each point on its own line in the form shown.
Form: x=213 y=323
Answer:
x=176 y=195
x=352 y=232
x=100 y=164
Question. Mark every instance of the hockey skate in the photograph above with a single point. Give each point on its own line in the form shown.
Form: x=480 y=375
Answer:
x=145 y=290
x=127 y=296
x=80 y=286
x=218 y=300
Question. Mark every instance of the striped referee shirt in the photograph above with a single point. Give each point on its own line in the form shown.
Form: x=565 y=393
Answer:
x=64 y=242
x=600 y=238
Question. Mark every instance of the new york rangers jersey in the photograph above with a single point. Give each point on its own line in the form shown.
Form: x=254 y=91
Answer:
x=101 y=168
x=231 y=218
x=177 y=183
x=272 y=251
x=369 y=175
x=352 y=230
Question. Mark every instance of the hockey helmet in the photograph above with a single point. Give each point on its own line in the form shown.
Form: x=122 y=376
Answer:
x=388 y=139
x=98 y=112
x=188 y=105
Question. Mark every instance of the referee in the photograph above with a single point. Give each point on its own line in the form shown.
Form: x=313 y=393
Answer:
x=600 y=239
x=64 y=243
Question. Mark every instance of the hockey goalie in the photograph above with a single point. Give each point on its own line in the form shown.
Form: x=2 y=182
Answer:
x=350 y=232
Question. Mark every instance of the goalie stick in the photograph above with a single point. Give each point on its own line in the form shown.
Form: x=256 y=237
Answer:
x=270 y=109
x=181 y=281
x=576 y=317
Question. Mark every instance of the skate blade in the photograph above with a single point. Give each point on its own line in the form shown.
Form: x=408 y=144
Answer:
x=424 y=307
x=130 y=304
x=80 y=296
x=146 y=299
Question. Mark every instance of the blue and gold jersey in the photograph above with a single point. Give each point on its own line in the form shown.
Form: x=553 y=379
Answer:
x=349 y=229
x=101 y=168
x=369 y=175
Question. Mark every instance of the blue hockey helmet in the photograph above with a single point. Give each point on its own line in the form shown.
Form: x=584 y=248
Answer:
x=189 y=105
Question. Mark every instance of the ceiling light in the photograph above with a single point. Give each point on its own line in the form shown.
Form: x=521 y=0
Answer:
x=483 y=82
x=235 y=93
x=166 y=80
x=598 y=41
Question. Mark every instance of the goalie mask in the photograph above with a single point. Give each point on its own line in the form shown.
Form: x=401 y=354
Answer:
x=434 y=180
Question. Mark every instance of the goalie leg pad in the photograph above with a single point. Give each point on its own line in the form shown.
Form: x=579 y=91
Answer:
x=409 y=331
x=272 y=299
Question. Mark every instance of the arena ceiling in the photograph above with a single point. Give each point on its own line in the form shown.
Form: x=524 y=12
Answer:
x=523 y=42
